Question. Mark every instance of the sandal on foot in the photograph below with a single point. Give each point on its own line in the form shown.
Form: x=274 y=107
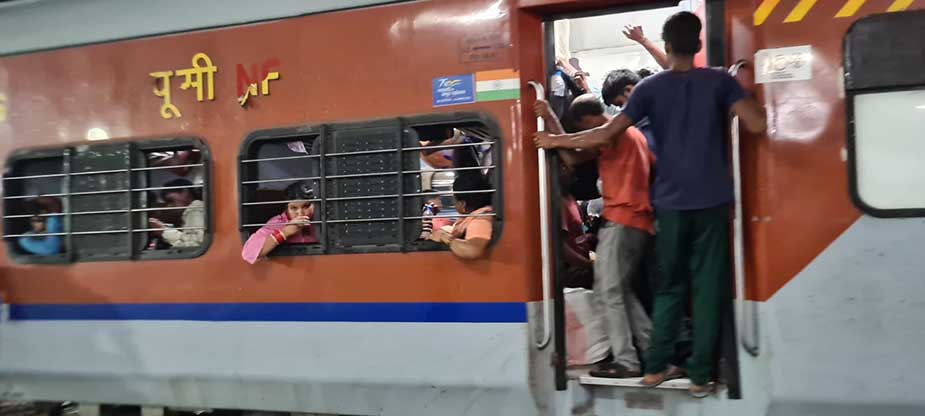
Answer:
x=654 y=380
x=614 y=370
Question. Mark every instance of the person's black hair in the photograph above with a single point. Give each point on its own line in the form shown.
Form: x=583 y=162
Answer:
x=469 y=180
x=586 y=106
x=682 y=33
x=299 y=191
x=616 y=82
x=435 y=133
x=179 y=185
x=644 y=73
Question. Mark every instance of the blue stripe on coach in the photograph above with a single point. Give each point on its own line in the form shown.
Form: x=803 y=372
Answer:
x=289 y=312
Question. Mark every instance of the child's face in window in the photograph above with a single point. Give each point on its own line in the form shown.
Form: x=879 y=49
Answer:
x=38 y=224
x=298 y=209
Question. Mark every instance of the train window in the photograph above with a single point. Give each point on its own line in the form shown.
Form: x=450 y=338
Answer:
x=377 y=186
x=112 y=201
x=885 y=92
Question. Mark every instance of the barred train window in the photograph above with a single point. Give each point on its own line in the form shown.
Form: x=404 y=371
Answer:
x=112 y=201
x=885 y=93
x=376 y=186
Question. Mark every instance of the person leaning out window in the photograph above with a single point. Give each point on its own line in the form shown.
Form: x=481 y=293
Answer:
x=470 y=236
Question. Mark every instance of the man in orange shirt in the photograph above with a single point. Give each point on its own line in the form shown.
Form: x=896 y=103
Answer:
x=622 y=241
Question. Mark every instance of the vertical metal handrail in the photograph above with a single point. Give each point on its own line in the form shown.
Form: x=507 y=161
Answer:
x=746 y=328
x=545 y=235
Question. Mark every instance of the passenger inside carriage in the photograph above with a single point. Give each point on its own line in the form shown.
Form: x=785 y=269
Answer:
x=292 y=226
x=36 y=243
x=624 y=237
x=470 y=236
x=688 y=107
x=576 y=244
x=440 y=135
x=181 y=193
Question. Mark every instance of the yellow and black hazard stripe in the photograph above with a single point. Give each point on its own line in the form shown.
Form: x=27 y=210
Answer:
x=803 y=8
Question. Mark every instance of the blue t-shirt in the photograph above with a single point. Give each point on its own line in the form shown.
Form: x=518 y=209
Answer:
x=44 y=245
x=645 y=127
x=687 y=112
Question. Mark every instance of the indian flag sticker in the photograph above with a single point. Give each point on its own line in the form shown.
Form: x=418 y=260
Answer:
x=501 y=84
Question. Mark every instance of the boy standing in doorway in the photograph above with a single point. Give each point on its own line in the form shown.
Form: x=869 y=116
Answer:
x=687 y=107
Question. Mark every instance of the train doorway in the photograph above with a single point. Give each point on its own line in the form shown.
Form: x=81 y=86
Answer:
x=581 y=47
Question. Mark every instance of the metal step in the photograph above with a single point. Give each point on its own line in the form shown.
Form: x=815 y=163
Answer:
x=633 y=383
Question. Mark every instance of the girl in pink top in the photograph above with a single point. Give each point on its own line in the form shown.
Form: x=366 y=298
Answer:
x=293 y=226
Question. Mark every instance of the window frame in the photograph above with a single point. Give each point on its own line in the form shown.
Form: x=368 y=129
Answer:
x=883 y=77
x=250 y=146
x=136 y=148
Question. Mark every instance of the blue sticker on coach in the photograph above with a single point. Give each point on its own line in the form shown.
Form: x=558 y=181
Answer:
x=452 y=90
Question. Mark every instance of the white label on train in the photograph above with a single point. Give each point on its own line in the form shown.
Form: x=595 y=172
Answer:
x=784 y=64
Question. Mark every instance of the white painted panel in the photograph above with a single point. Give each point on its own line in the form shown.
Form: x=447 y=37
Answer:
x=890 y=149
x=339 y=368
x=845 y=335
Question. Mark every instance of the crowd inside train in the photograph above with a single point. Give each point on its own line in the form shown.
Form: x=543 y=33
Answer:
x=666 y=190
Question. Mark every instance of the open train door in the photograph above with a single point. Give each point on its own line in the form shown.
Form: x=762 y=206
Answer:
x=592 y=39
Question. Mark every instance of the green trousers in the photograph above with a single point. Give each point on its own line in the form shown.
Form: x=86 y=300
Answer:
x=692 y=247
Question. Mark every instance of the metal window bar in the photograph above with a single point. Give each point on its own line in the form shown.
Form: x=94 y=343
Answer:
x=351 y=220
x=145 y=230
x=57 y=214
x=257 y=225
x=164 y=188
x=109 y=191
x=286 y=201
x=323 y=188
x=451 y=169
x=307 y=178
x=269 y=159
x=361 y=198
x=128 y=195
x=34 y=196
x=322 y=155
x=191 y=165
x=357 y=198
x=68 y=220
x=50 y=175
x=34 y=235
x=400 y=177
x=449 y=146
x=99 y=172
x=97 y=232
x=112 y=211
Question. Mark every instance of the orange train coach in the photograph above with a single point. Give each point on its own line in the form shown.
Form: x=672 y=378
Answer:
x=105 y=107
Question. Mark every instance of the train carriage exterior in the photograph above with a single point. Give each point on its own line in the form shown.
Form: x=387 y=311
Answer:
x=830 y=323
